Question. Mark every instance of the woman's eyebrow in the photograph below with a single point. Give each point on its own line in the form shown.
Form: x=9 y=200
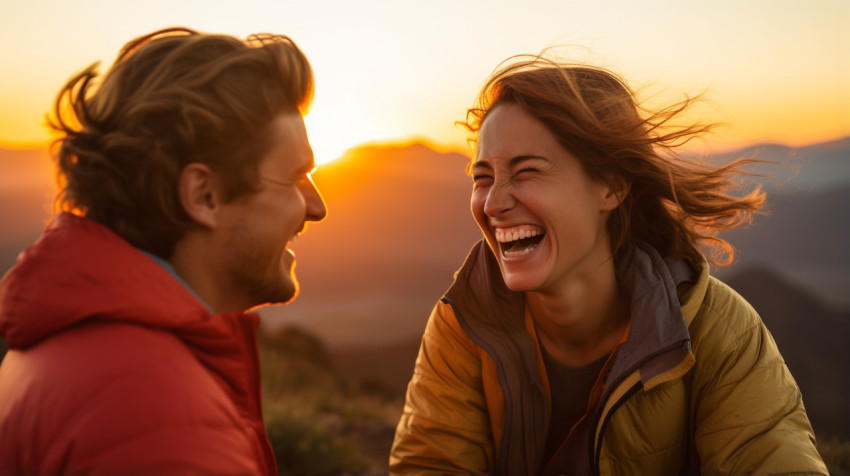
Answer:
x=482 y=164
x=513 y=162
x=522 y=158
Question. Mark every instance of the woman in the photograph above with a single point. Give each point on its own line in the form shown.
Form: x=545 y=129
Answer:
x=584 y=334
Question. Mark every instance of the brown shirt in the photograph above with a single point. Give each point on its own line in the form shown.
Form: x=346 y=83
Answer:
x=570 y=387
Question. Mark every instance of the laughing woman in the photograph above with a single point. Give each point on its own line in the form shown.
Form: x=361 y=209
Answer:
x=584 y=334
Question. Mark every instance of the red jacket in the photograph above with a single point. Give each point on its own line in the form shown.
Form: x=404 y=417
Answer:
x=114 y=365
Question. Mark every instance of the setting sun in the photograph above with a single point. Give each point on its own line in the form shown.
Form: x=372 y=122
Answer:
x=391 y=72
x=332 y=133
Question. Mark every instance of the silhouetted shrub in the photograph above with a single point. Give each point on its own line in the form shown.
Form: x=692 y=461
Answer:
x=303 y=447
x=318 y=422
x=294 y=362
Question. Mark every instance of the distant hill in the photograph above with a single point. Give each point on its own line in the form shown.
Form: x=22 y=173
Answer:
x=399 y=226
x=805 y=237
x=386 y=366
x=26 y=194
x=812 y=168
x=812 y=339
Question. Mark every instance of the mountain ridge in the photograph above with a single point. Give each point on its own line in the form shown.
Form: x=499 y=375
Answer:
x=810 y=337
x=399 y=226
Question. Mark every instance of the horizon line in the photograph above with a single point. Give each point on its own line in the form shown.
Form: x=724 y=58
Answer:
x=445 y=148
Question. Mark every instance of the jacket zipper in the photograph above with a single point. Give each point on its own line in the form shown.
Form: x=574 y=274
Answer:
x=595 y=445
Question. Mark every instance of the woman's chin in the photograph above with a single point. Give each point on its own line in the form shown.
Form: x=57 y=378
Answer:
x=520 y=282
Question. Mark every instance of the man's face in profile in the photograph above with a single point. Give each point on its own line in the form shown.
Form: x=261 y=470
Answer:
x=259 y=263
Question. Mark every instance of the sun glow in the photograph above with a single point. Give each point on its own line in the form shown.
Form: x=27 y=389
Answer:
x=392 y=77
x=334 y=131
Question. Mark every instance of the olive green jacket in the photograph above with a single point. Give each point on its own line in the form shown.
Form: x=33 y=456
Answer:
x=698 y=386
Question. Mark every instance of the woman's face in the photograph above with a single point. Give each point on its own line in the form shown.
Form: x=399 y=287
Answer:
x=542 y=215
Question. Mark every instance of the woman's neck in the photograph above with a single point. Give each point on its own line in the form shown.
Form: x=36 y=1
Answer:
x=584 y=320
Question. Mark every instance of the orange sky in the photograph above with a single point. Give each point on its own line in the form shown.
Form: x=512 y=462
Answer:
x=774 y=71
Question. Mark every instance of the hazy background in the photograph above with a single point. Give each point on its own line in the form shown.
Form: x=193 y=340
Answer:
x=776 y=70
x=392 y=78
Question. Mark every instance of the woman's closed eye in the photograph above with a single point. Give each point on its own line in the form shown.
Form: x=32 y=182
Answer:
x=526 y=172
x=481 y=180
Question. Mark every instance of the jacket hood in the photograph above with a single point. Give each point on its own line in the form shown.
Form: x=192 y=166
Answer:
x=80 y=270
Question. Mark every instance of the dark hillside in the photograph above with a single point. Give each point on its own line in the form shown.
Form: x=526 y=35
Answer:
x=812 y=339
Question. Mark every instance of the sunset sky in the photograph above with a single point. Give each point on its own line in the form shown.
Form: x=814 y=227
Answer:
x=387 y=70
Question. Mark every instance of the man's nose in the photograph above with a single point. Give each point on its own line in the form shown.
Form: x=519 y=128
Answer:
x=316 y=210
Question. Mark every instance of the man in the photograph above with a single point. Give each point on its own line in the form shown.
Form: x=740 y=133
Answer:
x=184 y=175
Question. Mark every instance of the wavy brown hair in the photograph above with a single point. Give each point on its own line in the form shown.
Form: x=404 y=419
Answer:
x=675 y=205
x=172 y=97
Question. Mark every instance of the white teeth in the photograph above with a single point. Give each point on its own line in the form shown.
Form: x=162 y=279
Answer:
x=507 y=235
x=504 y=235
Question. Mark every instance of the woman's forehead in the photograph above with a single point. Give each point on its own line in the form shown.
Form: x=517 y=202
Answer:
x=509 y=131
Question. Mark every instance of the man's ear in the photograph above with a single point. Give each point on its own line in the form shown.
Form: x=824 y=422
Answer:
x=617 y=189
x=199 y=194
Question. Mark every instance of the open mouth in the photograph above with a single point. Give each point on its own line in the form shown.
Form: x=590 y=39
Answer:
x=519 y=240
x=298 y=233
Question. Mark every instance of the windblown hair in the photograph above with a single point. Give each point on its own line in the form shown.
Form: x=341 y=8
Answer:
x=172 y=97
x=675 y=205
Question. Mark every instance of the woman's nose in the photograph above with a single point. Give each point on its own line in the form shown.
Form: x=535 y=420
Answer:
x=499 y=199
